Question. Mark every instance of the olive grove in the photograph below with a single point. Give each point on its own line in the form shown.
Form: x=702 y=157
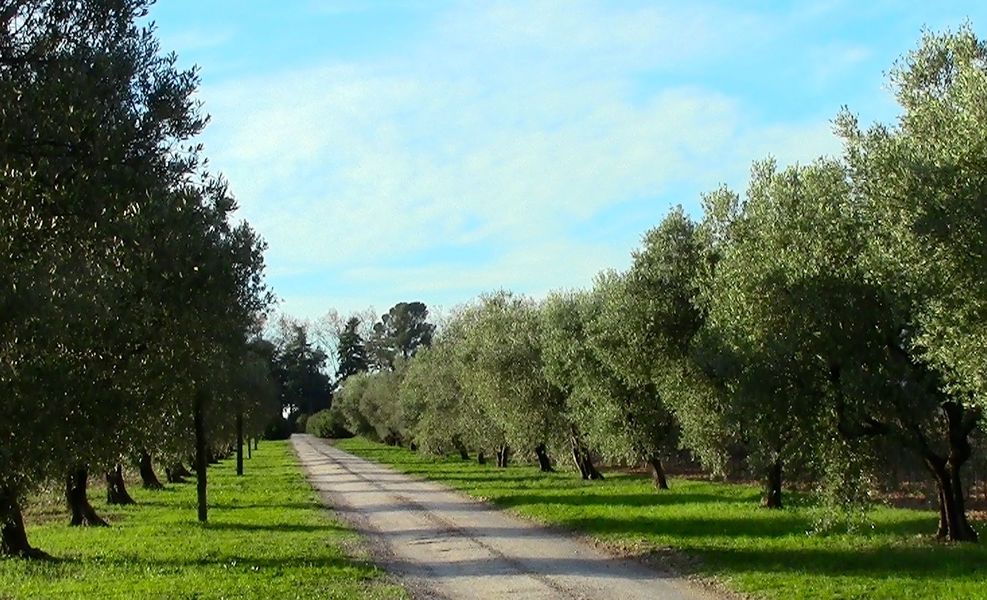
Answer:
x=825 y=324
x=128 y=295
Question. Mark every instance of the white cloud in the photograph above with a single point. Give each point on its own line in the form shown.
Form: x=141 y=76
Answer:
x=511 y=125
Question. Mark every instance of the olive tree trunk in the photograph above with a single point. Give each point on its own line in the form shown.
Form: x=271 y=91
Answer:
x=772 y=486
x=76 y=496
x=239 y=443
x=201 y=460
x=174 y=475
x=657 y=473
x=581 y=456
x=503 y=455
x=953 y=523
x=460 y=447
x=13 y=536
x=116 y=489
x=544 y=463
x=149 y=479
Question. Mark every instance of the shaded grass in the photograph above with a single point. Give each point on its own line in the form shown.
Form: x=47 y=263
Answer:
x=772 y=554
x=268 y=536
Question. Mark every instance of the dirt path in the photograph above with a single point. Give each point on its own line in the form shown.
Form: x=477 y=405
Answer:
x=443 y=545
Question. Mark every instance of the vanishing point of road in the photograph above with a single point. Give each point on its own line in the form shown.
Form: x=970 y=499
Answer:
x=441 y=544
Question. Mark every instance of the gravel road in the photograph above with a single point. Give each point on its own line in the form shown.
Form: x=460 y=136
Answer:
x=441 y=544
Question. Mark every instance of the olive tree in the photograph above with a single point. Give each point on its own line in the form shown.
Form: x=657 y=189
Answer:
x=502 y=363
x=921 y=183
x=619 y=419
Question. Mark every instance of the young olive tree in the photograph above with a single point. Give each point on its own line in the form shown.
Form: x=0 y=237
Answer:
x=619 y=419
x=502 y=363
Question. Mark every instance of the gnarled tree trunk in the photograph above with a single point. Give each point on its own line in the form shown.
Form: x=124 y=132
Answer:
x=13 y=536
x=503 y=455
x=116 y=489
x=481 y=458
x=199 y=424
x=174 y=474
x=657 y=473
x=239 y=444
x=772 y=486
x=461 y=448
x=544 y=463
x=953 y=523
x=149 y=479
x=582 y=457
x=83 y=514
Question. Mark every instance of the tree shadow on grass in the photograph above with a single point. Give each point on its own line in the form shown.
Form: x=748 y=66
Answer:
x=770 y=525
x=274 y=527
x=627 y=500
x=246 y=563
x=458 y=476
x=932 y=561
x=313 y=505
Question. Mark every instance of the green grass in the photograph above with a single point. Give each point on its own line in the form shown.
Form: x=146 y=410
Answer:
x=267 y=537
x=770 y=554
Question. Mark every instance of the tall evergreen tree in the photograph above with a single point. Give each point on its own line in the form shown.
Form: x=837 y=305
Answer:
x=351 y=351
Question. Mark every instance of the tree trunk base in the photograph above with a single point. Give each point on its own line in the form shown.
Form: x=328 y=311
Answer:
x=657 y=473
x=173 y=475
x=544 y=462
x=83 y=513
x=772 y=487
x=201 y=458
x=481 y=458
x=149 y=480
x=116 y=489
x=587 y=470
x=503 y=456
x=13 y=536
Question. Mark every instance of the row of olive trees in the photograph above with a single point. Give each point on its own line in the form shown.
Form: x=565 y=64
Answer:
x=829 y=321
x=127 y=293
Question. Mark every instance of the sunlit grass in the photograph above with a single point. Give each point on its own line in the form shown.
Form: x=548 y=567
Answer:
x=267 y=537
x=773 y=554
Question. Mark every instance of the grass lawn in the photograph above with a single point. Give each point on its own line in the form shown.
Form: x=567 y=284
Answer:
x=765 y=553
x=267 y=537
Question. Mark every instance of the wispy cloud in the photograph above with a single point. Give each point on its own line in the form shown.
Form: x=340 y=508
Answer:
x=511 y=126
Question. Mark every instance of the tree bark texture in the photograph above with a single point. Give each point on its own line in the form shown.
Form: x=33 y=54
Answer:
x=239 y=444
x=657 y=473
x=544 y=463
x=581 y=456
x=772 y=486
x=503 y=456
x=13 y=536
x=116 y=489
x=149 y=479
x=174 y=474
x=83 y=514
x=953 y=523
x=461 y=448
x=199 y=421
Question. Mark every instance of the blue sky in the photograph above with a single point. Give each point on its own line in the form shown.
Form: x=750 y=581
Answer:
x=430 y=150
